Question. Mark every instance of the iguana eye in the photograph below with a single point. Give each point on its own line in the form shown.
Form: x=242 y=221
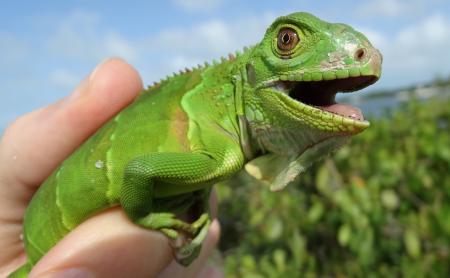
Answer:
x=287 y=39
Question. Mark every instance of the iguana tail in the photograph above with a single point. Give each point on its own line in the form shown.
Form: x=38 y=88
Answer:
x=21 y=272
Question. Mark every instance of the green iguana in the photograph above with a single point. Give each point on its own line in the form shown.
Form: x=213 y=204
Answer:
x=271 y=109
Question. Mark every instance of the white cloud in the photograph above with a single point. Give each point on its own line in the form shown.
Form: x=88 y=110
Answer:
x=180 y=62
x=186 y=47
x=391 y=8
x=198 y=5
x=434 y=30
x=426 y=44
x=63 y=78
x=375 y=37
x=116 y=45
x=211 y=37
x=80 y=37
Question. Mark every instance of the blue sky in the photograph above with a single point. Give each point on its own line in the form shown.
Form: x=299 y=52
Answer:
x=46 y=47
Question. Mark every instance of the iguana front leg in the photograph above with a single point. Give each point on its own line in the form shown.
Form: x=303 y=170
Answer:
x=144 y=173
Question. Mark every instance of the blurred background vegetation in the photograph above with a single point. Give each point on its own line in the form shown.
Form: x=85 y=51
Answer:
x=379 y=207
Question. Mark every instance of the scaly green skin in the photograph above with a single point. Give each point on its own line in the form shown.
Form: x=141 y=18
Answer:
x=161 y=154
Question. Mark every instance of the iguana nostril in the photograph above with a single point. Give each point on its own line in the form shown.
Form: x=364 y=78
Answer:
x=360 y=54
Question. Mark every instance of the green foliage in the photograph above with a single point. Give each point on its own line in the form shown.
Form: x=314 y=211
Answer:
x=380 y=207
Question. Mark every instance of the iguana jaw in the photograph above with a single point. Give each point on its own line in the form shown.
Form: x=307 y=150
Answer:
x=315 y=100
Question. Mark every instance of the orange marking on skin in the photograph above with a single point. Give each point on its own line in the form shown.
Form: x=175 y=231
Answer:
x=179 y=128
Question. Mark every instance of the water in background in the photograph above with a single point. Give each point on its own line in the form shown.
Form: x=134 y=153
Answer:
x=379 y=104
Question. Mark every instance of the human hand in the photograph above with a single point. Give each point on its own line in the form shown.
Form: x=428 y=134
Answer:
x=107 y=244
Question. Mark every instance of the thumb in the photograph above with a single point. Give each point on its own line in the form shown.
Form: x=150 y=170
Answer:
x=106 y=245
x=32 y=147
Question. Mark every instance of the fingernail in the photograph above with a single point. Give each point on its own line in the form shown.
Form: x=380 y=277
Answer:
x=82 y=87
x=97 y=68
x=68 y=273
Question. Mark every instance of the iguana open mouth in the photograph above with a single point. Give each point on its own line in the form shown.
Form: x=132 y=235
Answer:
x=321 y=94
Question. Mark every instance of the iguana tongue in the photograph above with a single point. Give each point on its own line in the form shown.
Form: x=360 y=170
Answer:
x=345 y=110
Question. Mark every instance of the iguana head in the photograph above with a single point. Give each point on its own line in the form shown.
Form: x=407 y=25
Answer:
x=293 y=75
